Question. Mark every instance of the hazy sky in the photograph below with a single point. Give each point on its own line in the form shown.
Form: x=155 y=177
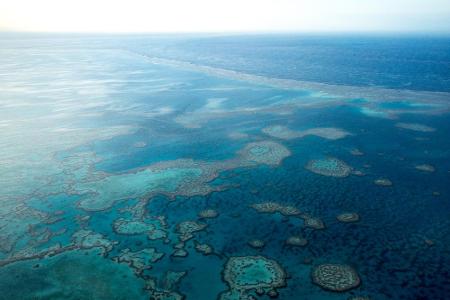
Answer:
x=224 y=15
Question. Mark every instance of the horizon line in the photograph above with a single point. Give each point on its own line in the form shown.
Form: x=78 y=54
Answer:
x=243 y=32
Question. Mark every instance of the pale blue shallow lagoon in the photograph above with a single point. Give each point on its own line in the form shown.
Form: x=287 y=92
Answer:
x=224 y=167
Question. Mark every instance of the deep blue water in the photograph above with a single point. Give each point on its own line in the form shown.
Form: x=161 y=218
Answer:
x=79 y=112
x=405 y=62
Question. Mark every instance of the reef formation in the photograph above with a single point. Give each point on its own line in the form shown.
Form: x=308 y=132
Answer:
x=282 y=132
x=356 y=152
x=208 y=214
x=248 y=274
x=348 y=217
x=296 y=241
x=415 y=127
x=205 y=249
x=314 y=223
x=257 y=244
x=425 y=168
x=275 y=207
x=329 y=167
x=335 y=277
x=187 y=229
x=383 y=182
x=181 y=177
x=153 y=228
x=140 y=260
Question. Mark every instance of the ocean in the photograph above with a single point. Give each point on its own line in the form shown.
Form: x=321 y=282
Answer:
x=225 y=167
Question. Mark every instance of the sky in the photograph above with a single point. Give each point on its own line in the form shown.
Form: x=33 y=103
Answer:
x=224 y=15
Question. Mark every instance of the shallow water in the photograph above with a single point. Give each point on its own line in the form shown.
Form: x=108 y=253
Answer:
x=111 y=143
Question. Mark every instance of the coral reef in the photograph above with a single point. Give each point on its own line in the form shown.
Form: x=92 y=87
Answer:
x=246 y=273
x=12 y=215
x=289 y=210
x=181 y=177
x=296 y=241
x=205 y=249
x=180 y=253
x=187 y=228
x=257 y=244
x=81 y=239
x=425 y=168
x=73 y=274
x=86 y=239
x=356 y=152
x=358 y=173
x=274 y=207
x=314 y=223
x=329 y=133
x=267 y=207
x=282 y=132
x=154 y=228
x=335 y=277
x=415 y=127
x=383 y=182
x=167 y=290
x=348 y=217
x=139 y=260
x=208 y=214
x=172 y=278
x=329 y=167
x=264 y=152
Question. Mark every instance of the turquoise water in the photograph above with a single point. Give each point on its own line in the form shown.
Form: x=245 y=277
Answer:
x=115 y=148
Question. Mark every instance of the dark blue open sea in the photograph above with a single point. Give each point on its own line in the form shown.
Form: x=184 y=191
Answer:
x=239 y=167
